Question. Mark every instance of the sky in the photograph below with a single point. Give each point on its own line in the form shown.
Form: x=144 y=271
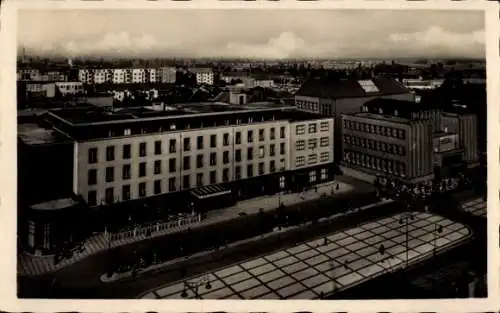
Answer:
x=267 y=34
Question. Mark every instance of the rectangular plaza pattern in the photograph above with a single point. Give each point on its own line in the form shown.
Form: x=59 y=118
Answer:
x=310 y=269
x=475 y=207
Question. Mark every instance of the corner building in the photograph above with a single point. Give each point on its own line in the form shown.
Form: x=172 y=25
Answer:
x=189 y=155
x=388 y=145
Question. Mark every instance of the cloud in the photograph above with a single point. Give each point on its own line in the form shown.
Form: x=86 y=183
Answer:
x=438 y=40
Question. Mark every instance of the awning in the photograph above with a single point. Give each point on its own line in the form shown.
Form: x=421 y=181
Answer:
x=210 y=191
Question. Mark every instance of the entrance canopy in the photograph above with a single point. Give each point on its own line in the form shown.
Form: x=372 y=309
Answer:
x=210 y=191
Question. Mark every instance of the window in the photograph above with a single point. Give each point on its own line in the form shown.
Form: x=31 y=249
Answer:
x=272 y=150
x=199 y=161
x=324 y=173
x=199 y=179
x=157 y=187
x=300 y=161
x=238 y=138
x=261 y=135
x=261 y=168
x=225 y=157
x=249 y=153
x=158 y=147
x=225 y=175
x=249 y=170
x=300 y=145
x=282 y=164
x=157 y=167
x=262 y=151
x=125 y=192
x=92 y=155
x=187 y=144
x=109 y=196
x=324 y=126
x=142 y=190
x=171 y=184
x=172 y=146
x=213 y=159
x=282 y=148
x=324 y=141
x=213 y=141
x=126 y=170
x=272 y=133
x=312 y=159
x=313 y=128
x=225 y=139
x=250 y=136
x=213 y=177
x=186 y=163
x=312 y=144
x=324 y=156
x=282 y=132
x=282 y=182
x=312 y=176
x=272 y=166
x=92 y=177
x=237 y=172
x=199 y=142
x=300 y=129
x=142 y=149
x=92 y=198
x=186 y=182
x=127 y=152
x=237 y=155
x=127 y=132
x=142 y=169
x=172 y=166
x=110 y=153
x=110 y=174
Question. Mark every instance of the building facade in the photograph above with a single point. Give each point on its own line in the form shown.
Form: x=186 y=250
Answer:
x=249 y=152
x=204 y=76
x=388 y=145
x=465 y=125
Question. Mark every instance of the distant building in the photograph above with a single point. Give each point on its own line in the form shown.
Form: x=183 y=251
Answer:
x=204 y=76
x=69 y=88
x=465 y=125
x=168 y=75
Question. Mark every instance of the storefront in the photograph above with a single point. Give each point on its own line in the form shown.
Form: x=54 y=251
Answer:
x=211 y=197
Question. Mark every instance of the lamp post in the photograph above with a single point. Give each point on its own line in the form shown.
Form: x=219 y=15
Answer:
x=195 y=286
x=438 y=229
x=405 y=220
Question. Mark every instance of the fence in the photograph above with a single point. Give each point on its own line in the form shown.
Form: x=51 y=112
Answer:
x=153 y=230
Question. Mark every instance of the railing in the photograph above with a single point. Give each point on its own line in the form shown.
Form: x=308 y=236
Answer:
x=152 y=230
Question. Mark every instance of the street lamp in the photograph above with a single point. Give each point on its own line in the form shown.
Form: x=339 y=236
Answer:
x=405 y=220
x=438 y=229
x=195 y=286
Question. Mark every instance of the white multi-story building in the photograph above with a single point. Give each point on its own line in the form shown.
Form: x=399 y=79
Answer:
x=119 y=76
x=204 y=76
x=100 y=76
x=168 y=75
x=69 y=88
x=138 y=75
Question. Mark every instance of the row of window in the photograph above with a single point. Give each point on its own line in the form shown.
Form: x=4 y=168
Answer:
x=186 y=182
x=375 y=163
x=375 y=145
x=375 y=129
x=172 y=164
x=312 y=143
x=312 y=159
x=307 y=105
x=127 y=148
x=312 y=128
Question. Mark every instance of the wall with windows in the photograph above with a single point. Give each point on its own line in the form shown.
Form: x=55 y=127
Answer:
x=311 y=143
x=121 y=169
x=399 y=149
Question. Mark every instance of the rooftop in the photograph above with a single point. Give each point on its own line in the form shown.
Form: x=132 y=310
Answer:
x=335 y=88
x=380 y=117
x=35 y=134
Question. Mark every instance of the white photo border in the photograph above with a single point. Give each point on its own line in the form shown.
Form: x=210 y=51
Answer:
x=8 y=162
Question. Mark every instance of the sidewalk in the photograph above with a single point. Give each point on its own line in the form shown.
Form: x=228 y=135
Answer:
x=29 y=265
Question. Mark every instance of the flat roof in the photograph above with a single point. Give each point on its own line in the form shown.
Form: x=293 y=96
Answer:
x=57 y=204
x=387 y=118
x=476 y=207
x=347 y=259
x=90 y=114
x=34 y=134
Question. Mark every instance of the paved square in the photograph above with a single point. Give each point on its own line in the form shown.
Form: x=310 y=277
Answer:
x=309 y=269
